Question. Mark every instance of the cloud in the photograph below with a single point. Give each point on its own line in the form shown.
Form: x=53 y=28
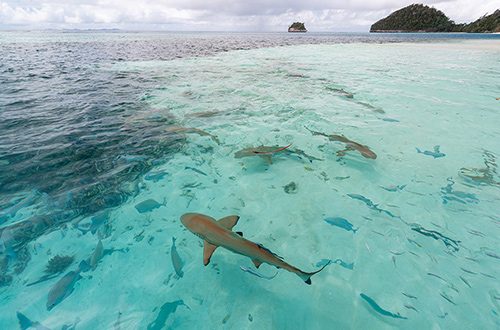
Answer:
x=237 y=15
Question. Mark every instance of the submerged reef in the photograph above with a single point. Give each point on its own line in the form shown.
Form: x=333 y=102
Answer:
x=59 y=264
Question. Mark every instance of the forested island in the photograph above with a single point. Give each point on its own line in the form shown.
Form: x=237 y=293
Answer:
x=297 y=27
x=421 y=18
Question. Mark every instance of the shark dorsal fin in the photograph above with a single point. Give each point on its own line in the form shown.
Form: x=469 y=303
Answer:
x=257 y=263
x=229 y=222
x=208 y=250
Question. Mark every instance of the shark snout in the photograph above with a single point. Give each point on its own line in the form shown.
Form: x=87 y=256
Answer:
x=186 y=218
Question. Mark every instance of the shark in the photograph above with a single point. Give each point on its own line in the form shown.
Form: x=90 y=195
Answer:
x=266 y=152
x=217 y=233
x=350 y=145
x=188 y=130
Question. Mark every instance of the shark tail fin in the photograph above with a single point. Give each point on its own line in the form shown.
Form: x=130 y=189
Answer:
x=418 y=150
x=306 y=277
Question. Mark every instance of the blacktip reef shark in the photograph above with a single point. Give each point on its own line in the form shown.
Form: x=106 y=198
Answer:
x=188 y=130
x=266 y=152
x=350 y=145
x=219 y=233
x=435 y=153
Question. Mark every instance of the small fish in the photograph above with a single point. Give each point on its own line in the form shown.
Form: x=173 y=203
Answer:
x=195 y=169
x=25 y=323
x=488 y=275
x=341 y=222
x=253 y=272
x=435 y=153
x=368 y=248
x=94 y=224
x=475 y=232
x=379 y=309
x=468 y=271
x=362 y=198
x=432 y=274
x=465 y=281
x=396 y=252
x=155 y=176
x=11 y=211
x=176 y=259
x=117 y=325
x=147 y=206
x=413 y=241
x=393 y=188
x=410 y=307
x=391 y=120
x=408 y=295
x=447 y=298
x=431 y=256
x=379 y=233
x=97 y=255
x=65 y=286
x=493 y=255
x=470 y=258
x=394 y=261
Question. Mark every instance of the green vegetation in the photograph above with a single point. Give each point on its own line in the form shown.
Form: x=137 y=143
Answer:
x=297 y=27
x=421 y=18
x=490 y=23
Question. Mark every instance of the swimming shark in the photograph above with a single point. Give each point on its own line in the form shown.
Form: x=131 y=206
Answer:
x=266 y=152
x=350 y=145
x=186 y=130
x=219 y=233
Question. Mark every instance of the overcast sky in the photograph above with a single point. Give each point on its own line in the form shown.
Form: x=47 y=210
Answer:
x=219 y=15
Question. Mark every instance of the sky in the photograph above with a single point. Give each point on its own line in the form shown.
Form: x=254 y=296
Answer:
x=219 y=15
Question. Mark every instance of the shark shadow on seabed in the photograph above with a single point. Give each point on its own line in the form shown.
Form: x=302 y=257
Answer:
x=479 y=176
x=450 y=195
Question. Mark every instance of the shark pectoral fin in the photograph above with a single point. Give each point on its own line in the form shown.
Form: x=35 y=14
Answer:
x=267 y=158
x=208 y=250
x=229 y=222
x=257 y=263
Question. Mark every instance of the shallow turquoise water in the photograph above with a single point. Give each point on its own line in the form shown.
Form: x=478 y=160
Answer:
x=434 y=237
